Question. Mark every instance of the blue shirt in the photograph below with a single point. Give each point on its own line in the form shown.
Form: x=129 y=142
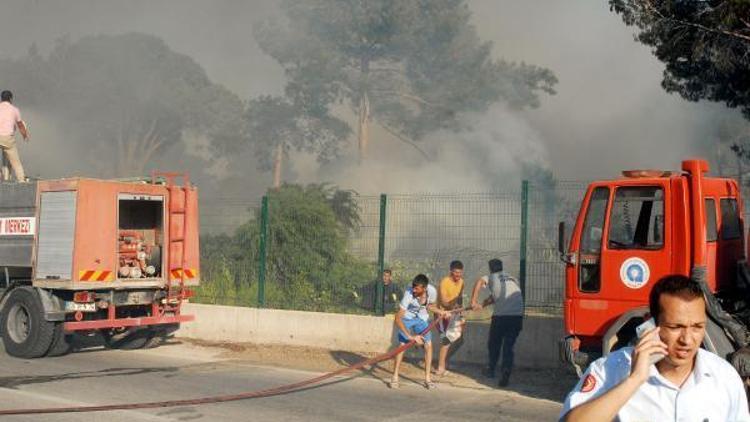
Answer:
x=413 y=308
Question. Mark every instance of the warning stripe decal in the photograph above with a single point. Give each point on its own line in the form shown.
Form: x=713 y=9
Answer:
x=189 y=273
x=92 y=275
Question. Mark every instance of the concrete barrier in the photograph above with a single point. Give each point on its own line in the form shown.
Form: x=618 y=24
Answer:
x=536 y=346
x=356 y=333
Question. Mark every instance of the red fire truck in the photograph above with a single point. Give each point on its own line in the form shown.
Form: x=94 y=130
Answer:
x=632 y=231
x=95 y=256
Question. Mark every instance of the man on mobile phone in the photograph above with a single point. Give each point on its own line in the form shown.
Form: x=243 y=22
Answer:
x=689 y=383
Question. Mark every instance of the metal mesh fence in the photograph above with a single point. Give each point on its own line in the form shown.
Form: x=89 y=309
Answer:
x=424 y=233
x=321 y=252
x=545 y=274
x=229 y=258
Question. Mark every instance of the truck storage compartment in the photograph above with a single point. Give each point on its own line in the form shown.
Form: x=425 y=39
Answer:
x=98 y=234
x=57 y=218
x=17 y=226
x=140 y=236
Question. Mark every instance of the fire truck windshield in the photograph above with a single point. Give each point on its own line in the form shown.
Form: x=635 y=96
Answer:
x=637 y=218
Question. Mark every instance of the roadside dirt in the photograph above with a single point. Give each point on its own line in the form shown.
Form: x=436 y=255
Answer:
x=550 y=384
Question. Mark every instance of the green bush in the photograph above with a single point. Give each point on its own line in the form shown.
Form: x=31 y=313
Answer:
x=307 y=263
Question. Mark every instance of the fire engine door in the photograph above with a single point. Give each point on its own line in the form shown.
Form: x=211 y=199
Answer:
x=636 y=247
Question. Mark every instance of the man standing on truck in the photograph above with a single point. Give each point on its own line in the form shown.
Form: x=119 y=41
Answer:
x=687 y=383
x=450 y=299
x=10 y=118
x=507 y=317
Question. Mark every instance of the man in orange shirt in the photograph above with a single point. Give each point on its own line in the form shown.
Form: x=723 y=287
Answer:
x=450 y=294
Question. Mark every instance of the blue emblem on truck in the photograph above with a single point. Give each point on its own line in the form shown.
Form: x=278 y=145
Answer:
x=634 y=273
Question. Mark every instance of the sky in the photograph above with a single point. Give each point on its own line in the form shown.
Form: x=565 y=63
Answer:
x=609 y=112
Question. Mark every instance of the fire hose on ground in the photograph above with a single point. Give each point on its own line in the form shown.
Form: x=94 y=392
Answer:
x=288 y=388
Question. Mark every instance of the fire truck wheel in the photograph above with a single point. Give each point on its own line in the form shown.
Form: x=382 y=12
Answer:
x=128 y=339
x=25 y=332
x=716 y=340
x=160 y=334
x=62 y=343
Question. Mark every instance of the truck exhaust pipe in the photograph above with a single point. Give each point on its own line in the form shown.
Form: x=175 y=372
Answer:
x=695 y=169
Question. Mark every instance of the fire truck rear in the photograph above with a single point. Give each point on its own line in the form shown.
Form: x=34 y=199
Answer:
x=631 y=232
x=87 y=255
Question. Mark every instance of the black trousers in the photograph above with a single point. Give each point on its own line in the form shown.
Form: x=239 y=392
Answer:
x=504 y=331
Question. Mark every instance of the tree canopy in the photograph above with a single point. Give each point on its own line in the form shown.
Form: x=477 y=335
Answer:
x=411 y=66
x=705 y=46
x=124 y=99
x=274 y=126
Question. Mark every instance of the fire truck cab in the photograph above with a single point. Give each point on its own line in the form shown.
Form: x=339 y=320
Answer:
x=631 y=232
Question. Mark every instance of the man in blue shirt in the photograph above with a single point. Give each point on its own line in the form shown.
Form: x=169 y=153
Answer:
x=412 y=318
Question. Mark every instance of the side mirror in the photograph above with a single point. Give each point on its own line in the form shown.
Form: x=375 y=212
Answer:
x=561 y=238
x=568 y=258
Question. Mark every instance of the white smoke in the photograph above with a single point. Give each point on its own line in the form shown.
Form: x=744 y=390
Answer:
x=490 y=155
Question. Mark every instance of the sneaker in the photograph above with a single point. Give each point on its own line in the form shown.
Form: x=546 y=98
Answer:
x=488 y=373
x=504 y=380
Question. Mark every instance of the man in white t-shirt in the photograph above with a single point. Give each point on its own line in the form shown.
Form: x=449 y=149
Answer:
x=687 y=384
x=507 y=318
x=412 y=319
x=10 y=118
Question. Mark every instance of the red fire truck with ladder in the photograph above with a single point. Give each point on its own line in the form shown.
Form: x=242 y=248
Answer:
x=113 y=257
x=632 y=231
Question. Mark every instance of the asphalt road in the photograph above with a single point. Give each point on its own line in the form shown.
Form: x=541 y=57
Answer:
x=97 y=376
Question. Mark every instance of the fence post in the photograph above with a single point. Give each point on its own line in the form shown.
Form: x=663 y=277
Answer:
x=524 y=235
x=262 y=252
x=379 y=303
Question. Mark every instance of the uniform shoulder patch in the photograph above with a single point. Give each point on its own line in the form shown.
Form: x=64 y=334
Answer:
x=588 y=383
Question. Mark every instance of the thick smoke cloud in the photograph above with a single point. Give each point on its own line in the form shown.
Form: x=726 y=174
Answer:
x=610 y=112
x=609 y=104
x=490 y=156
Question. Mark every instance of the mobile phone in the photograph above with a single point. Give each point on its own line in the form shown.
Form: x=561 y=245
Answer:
x=641 y=330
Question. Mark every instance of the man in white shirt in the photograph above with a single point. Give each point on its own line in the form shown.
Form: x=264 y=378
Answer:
x=687 y=384
x=10 y=118
x=507 y=317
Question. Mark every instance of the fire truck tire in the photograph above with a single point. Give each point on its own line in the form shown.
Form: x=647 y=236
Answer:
x=26 y=334
x=160 y=334
x=716 y=340
x=62 y=343
x=154 y=341
x=129 y=339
